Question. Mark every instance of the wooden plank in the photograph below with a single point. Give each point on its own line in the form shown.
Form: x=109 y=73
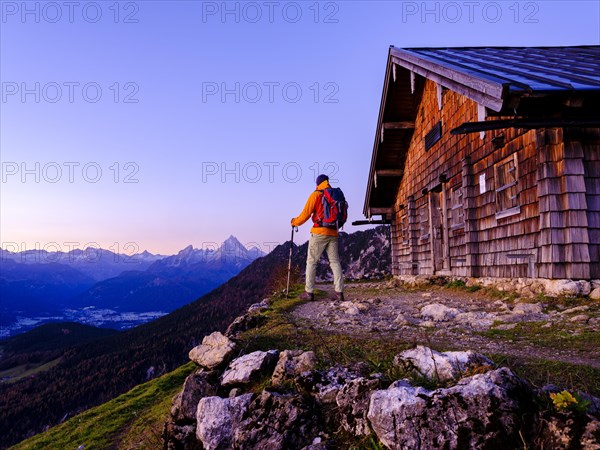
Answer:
x=377 y=211
x=390 y=173
x=406 y=125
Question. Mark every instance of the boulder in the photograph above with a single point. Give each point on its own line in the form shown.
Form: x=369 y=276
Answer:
x=218 y=418
x=595 y=294
x=444 y=366
x=197 y=385
x=566 y=288
x=353 y=402
x=277 y=421
x=483 y=411
x=291 y=364
x=248 y=368
x=215 y=351
x=438 y=312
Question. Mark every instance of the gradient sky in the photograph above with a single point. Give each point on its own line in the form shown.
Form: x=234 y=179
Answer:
x=161 y=133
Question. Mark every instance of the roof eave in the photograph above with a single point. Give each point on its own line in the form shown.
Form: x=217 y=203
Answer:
x=488 y=93
x=376 y=142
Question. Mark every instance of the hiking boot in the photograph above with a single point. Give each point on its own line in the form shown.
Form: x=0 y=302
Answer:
x=338 y=296
x=307 y=296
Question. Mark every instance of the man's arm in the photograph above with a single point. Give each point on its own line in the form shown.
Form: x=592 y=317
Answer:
x=307 y=211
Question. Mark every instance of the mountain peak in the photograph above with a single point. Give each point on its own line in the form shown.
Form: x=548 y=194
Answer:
x=186 y=251
x=232 y=240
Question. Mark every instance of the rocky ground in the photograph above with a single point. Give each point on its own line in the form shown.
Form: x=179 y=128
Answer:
x=564 y=329
x=311 y=375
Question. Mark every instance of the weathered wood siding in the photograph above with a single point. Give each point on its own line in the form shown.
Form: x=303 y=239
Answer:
x=552 y=229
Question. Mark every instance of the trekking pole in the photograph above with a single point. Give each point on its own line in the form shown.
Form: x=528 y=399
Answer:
x=287 y=289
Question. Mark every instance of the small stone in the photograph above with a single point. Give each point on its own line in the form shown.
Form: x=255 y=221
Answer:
x=505 y=326
x=438 y=312
x=576 y=309
x=352 y=311
x=235 y=392
x=527 y=308
x=401 y=320
x=580 y=318
x=427 y=324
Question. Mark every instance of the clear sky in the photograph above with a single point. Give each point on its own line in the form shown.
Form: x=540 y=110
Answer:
x=182 y=122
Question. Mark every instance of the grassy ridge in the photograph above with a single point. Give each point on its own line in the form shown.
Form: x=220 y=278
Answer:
x=132 y=420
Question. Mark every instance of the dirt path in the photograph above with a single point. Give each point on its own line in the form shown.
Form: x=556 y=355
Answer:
x=567 y=331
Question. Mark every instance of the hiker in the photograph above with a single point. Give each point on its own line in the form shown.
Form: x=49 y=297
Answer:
x=322 y=238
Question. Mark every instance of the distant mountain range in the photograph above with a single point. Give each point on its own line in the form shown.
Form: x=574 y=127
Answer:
x=102 y=288
x=96 y=263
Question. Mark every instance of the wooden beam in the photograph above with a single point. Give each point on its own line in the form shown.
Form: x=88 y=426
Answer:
x=390 y=173
x=370 y=222
x=528 y=124
x=377 y=211
x=407 y=125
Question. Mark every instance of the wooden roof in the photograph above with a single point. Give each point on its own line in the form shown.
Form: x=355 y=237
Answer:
x=500 y=78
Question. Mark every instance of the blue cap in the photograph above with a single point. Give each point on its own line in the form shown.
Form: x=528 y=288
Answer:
x=322 y=178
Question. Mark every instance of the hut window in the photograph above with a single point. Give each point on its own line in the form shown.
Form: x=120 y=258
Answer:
x=404 y=229
x=424 y=221
x=507 y=187
x=457 y=212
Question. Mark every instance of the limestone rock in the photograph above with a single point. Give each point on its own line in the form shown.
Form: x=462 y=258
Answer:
x=215 y=351
x=248 y=367
x=251 y=319
x=291 y=364
x=563 y=430
x=444 y=366
x=527 y=308
x=326 y=385
x=218 y=418
x=580 y=318
x=353 y=402
x=196 y=386
x=477 y=320
x=574 y=310
x=438 y=312
x=180 y=437
x=487 y=411
x=277 y=421
x=350 y=308
x=567 y=288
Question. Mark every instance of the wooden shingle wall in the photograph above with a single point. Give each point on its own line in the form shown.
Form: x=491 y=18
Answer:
x=557 y=236
x=589 y=139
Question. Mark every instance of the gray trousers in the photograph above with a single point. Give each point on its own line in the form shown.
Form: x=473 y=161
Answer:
x=316 y=246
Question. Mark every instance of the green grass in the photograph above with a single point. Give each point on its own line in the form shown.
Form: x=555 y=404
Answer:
x=558 y=336
x=16 y=373
x=541 y=372
x=132 y=420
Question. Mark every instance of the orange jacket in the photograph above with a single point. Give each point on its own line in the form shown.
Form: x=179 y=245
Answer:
x=310 y=208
